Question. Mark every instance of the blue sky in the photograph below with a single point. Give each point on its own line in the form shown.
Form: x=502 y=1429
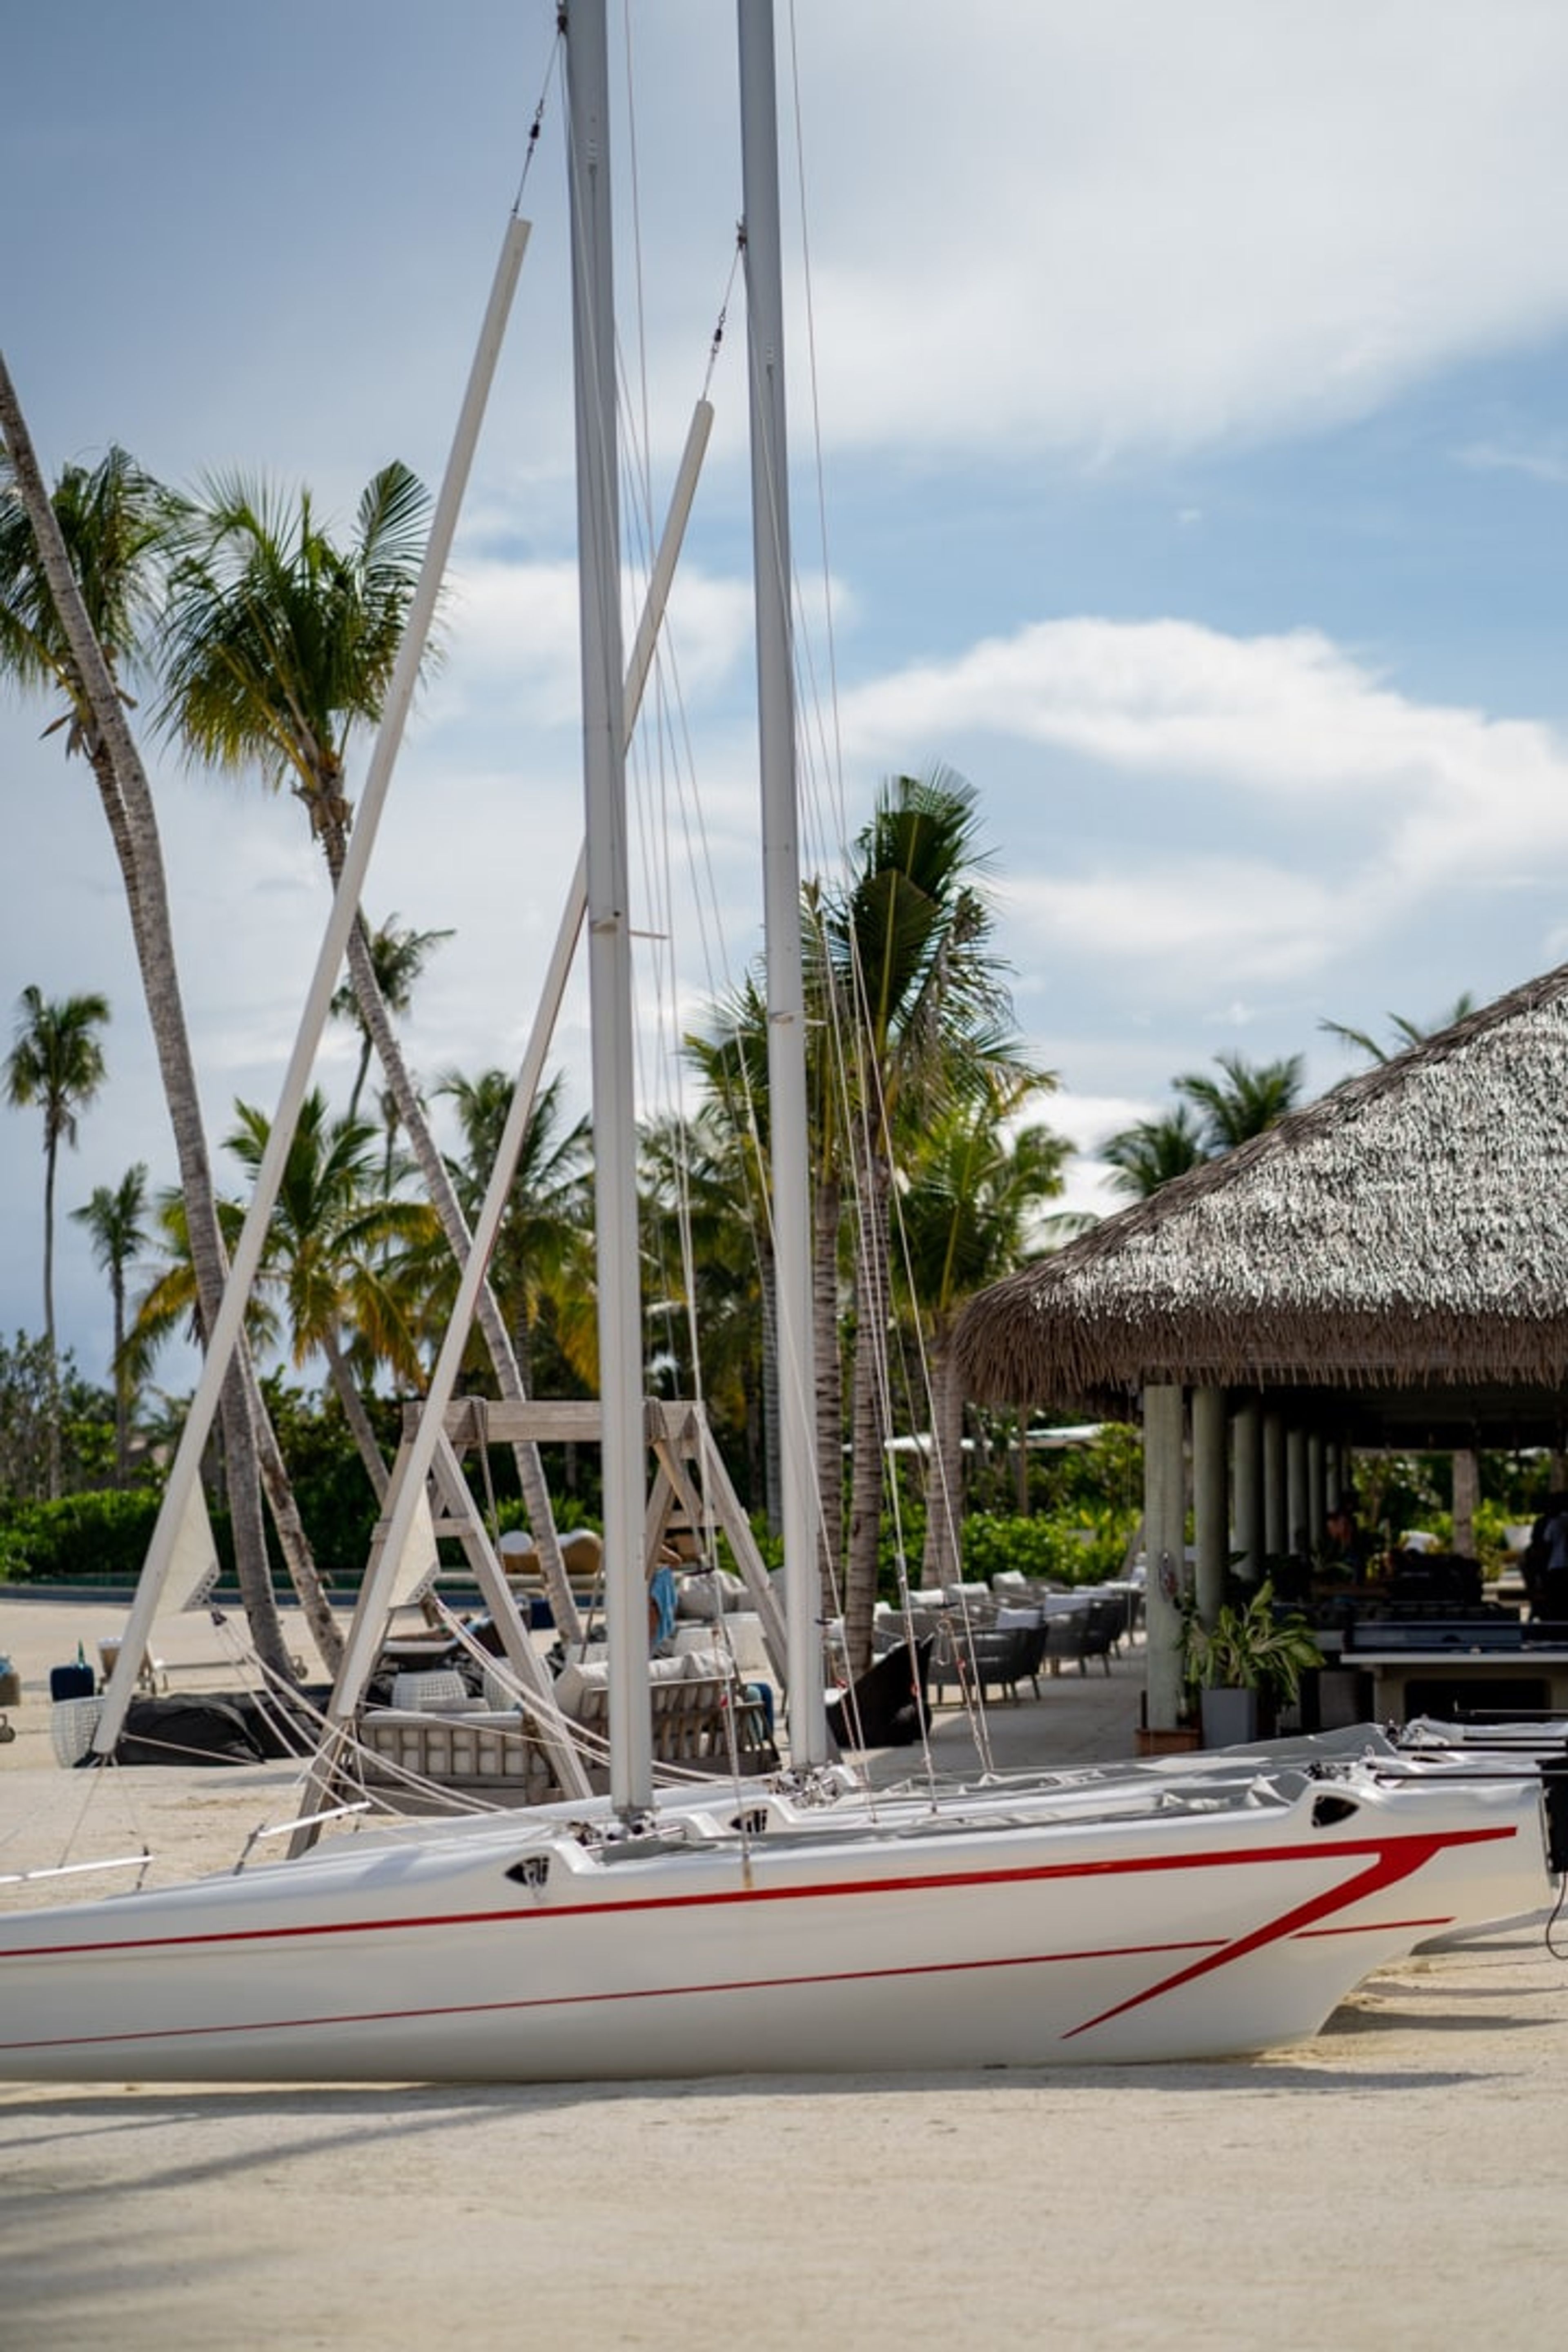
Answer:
x=1189 y=389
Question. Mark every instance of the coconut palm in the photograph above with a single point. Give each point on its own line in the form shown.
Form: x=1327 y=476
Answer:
x=331 y=1253
x=277 y=644
x=397 y=958
x=77 y=580
x=115 y=1220
x=733 y=1121
x=921 y=997
x=1249 y=1098
x=706 y=1277
x=969 y=1190
x=56 y=1063
x=1149 y=1154
x=169 y=1304
x=541 y=1266
x=1406 y=1033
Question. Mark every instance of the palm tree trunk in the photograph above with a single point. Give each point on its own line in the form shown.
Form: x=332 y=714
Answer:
x=354 y=1413
x=944 y=1492
x=132 y=823
x=52 y=1152
x=868 y=1421
x=253 y=1456
x=361 y=1072
x=122 y=1394
x=128 y=805
x=377 y=1020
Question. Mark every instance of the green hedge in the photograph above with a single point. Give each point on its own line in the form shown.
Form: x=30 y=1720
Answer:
x=1081 y=1547
x=92 y=1538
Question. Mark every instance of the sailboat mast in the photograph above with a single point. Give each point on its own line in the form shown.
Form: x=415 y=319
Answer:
x=609 y=930
x=781 y=883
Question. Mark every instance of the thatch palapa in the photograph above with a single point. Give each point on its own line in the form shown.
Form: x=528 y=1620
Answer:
x=1405 y=1236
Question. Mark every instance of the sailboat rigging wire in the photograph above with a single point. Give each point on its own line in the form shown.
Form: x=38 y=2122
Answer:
x=811 y=700
x=551 y=69
x=719 y=324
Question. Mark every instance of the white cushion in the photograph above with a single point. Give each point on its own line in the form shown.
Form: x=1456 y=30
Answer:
x=441 y=1692
x=573 y=1683
x=705 y=1665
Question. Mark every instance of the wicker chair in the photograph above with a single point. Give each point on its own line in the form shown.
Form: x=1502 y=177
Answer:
x=1091 y=1632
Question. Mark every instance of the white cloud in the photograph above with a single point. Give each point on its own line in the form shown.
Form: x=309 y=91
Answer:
x=512 y=629
x=1132 y=225
x=1330 y=795
x=1192 y=916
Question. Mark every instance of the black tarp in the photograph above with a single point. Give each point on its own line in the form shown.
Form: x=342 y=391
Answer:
x=228 y=1728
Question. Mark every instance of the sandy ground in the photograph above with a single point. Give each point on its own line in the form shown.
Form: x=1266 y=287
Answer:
x=1404 y=2171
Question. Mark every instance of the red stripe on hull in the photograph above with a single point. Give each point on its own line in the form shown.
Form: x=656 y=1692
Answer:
x=1381 y=1849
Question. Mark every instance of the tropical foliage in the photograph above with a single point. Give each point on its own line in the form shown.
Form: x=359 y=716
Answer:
x=1212 y=1116
x=269 y=640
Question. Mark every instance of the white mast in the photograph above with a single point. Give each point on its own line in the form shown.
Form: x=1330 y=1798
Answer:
x=609 y=931
x=780 y=879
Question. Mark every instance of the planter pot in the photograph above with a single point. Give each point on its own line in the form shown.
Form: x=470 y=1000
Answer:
x=1180 y=1741
x=1230 y=1717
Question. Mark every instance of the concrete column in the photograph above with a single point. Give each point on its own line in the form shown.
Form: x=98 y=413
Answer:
x=1211 y=1516
x=1164 y=1541
x=1296 y=1522
x=1317 y=1488
x=1276 y=1542
x=1247 y=1459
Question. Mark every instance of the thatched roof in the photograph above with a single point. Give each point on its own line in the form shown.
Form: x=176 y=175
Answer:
x=1407 y=1232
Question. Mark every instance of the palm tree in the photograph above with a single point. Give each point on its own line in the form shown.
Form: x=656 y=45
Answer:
x=541 y=1266
x=277 y=644
x=397 y=958
x=331 y=1255
x=1149 y=1154
x=56 y=1062
x=921 y=996
x=1250 y=1098
x=77 y=583
x=706 y=1278
x=1406 y=1033
x=170 y=1305
x=114 y=1218
x=733 y=1120
x=968 y=1193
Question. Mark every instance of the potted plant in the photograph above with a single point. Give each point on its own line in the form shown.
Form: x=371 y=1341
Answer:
x=1246 y=1665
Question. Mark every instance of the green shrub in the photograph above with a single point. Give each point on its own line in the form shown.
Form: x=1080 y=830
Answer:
x=1083 y=1547
x=97 y=1538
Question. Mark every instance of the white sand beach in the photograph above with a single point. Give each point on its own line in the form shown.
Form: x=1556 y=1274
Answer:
x=1401 y=2172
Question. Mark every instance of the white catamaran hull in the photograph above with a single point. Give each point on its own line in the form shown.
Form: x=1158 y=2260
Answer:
x=1101 y=1930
